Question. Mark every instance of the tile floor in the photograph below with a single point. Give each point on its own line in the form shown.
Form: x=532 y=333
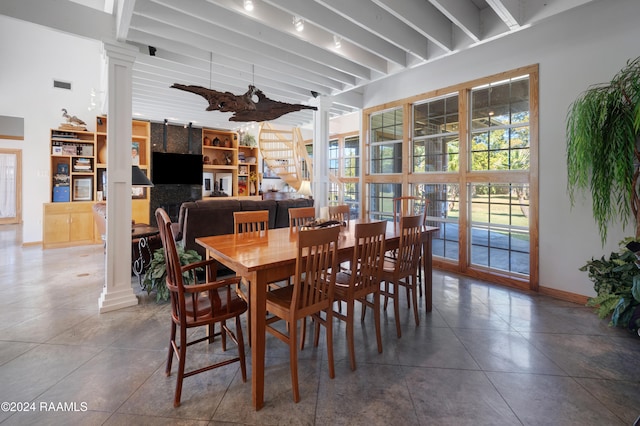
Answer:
x=486 y=355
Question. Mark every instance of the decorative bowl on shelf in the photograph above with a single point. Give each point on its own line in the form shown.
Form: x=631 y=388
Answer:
x=250 y=160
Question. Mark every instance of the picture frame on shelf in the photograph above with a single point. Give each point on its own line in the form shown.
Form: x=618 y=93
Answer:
x=138 y=192
x=135 y=154
x=83 y=189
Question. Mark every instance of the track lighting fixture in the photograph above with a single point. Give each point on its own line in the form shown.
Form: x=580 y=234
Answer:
x=298 y=23
x=248 y=5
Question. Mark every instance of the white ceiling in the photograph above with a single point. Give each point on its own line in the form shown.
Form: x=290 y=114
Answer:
x=219 y=45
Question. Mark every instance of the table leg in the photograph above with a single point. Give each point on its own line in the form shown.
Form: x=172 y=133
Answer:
x=258 y=308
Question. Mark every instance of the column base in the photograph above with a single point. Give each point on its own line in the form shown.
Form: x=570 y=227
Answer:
x=114 y=300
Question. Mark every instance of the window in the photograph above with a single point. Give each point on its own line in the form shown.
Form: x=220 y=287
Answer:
x=470 y=150
x=500 y=126
x=344 y=172
x=386 y=142
x=435 y=135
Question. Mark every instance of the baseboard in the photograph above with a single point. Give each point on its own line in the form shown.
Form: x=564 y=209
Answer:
x=563 y=295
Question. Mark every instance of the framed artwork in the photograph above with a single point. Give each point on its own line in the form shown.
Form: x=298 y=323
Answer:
x=83 y=189
x=138 y=192
x=135 y=153
x=267 y=173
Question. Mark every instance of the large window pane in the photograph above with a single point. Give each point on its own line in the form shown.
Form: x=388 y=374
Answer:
x=435 y=135
x=499 y=230
x=352 y=157
x=381 y=197
x=386 y=141
x=443 y=212
x=500 y=126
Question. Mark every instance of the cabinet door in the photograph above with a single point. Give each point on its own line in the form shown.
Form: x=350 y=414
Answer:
x=56 y=228
x=81 y=227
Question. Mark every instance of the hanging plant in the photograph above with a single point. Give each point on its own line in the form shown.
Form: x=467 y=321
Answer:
x=602 y=155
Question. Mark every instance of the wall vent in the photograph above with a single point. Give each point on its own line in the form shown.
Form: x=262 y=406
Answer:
x=62 y=84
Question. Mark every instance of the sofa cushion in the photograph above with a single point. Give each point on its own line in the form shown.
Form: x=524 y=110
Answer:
x=203 y=222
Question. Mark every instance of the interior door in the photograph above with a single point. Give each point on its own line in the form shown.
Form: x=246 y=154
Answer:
x=10 y=186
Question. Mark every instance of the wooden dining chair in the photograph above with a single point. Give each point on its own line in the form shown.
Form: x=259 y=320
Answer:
x=363 y=280
x=250 y=221
x=255 y=222
x=402 y=270
x=340 y=213
x=310 y=295
x=198 y=305
x=299 y=216
x=411 y=205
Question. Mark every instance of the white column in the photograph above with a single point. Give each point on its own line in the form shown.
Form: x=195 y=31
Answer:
x=320 y=185
x=117 y=292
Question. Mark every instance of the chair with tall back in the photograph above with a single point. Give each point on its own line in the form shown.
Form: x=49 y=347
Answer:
x=198 y=305
x=363 y=280
x=411 y=205
x=310 y=295
x=340 y=213
x=299 y=216
x=402 y=270
x=255 y=222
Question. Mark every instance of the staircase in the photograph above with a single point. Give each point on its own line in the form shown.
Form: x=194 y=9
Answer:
x=285 y=154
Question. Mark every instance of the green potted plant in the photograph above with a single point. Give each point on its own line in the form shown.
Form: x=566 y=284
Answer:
x=156 y=275
x=602 y=153
x=617 y=282
x=602 y=132
x=248 y=140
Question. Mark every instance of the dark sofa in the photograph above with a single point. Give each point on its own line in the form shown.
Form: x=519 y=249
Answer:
x=215 y=217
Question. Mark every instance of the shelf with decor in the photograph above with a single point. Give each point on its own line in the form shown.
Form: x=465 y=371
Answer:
x=248 y=168
x=220 y=160
x=140 y=156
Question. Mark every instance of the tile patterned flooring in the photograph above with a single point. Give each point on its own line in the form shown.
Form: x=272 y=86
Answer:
x=486 y=355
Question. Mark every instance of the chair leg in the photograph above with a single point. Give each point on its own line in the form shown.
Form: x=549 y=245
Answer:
x=293 y=359
x=414 y=297
x=303 y=332
x=350 y=337
x=396 y=309
x=223 y=335
x=329 y=331
x=181 y=362
x=171 y=342
x=241 y=355
x=376 y=320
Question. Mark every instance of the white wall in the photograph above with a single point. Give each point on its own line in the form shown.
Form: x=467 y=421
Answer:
x=574 y=50
x=32 y=57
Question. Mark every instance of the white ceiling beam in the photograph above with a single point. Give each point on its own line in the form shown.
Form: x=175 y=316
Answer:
x=424 y=18
x=124 y=13
x=510 y=11
x=464 y=14
x=218 y=22
x=378 y=21
x=336 y=24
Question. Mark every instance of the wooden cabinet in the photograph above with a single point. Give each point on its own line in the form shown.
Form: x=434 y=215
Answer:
x=220 y=160
x=141 y=157
x=68 y=224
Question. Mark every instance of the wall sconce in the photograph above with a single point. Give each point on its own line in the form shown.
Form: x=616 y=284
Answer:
x=298 y=22
x=248 y=5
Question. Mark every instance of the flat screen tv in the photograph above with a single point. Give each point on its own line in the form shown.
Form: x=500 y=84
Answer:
x=176 y=169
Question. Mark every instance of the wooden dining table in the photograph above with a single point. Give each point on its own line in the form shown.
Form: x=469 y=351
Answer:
x=270 y=256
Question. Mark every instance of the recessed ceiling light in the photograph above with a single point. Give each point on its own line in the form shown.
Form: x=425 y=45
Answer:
x=248 y=5
x=298 y=22
x=337 y=41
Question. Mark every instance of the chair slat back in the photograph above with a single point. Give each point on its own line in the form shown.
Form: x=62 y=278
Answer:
x=299 y=216
x=316 y=266
x=410 y=245
x=368 y=257
x=340 y=213
x=250 y=221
